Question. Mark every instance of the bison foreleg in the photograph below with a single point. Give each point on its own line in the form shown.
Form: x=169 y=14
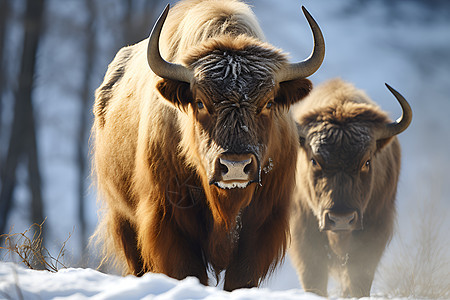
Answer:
x=364 y=257
x=165 y=249
x=259 y=250
x=313 y=273
x=360 y=276
x=123 y=235
x=309 y=253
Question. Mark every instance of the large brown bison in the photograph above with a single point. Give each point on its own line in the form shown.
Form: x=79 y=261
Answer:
x=347 y=171
x=195 y=153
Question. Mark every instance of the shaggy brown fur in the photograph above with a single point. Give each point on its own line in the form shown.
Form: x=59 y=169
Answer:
x=156 y=141
x=341 y=167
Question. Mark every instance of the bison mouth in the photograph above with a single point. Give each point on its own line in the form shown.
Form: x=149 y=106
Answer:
x=236 y=170
x=231 y=185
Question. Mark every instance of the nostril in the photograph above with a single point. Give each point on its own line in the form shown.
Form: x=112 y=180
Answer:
x=248 y=167
x=223 y=169
x=332 y=218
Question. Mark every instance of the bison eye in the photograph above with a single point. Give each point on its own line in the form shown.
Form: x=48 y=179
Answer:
x=366 y=165
x=315 y=165
x=200 y=105
x=269 y=104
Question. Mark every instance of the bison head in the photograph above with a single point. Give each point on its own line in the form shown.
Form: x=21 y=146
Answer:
x=342 y=143
x=232 y=90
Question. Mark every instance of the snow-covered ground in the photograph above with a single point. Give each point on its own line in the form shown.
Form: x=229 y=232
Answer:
x=403 y=44
x=19 y=283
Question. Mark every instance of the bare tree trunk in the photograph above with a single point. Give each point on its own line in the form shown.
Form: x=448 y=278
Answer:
x=23 y=133
x=8 y=175
x=34 y=175
x=9 y=164
x=4 y=12
x=83 y=137
x=33 y=27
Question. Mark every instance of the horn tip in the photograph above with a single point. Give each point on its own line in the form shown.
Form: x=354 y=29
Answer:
x=166 y=9
x=390 y=88
x=406 y=117
x=305 y=11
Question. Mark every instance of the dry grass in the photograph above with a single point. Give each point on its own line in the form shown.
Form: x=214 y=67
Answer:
x=419 y=265
x=28 y=247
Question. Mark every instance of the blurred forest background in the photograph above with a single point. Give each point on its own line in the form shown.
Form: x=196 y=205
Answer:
x=54 y=54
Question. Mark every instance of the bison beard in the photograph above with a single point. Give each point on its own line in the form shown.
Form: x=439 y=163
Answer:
x=179 y=151
x=347 y=172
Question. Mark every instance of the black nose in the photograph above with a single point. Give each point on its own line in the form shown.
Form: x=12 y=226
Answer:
x=338 y=221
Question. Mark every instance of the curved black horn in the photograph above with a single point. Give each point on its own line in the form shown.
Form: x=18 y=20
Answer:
x=312 y=63
x=402 y=123
x=158 y=65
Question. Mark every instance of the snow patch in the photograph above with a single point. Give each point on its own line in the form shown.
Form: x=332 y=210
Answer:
x=269 y=166
x=16 y=282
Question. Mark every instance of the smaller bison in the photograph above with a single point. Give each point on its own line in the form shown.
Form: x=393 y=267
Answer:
x=347 y=171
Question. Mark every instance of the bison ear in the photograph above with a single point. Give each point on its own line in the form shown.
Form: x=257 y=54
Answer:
x=293 y=91
x=381 y=143
x=177 y=92
x=301 y=134
x=302 y=141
